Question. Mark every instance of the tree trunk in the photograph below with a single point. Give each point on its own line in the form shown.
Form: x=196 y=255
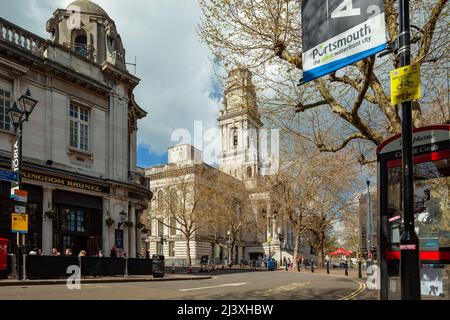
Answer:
x=231 y=253
x=321 y=249
x=188 y=251
x=296 y=246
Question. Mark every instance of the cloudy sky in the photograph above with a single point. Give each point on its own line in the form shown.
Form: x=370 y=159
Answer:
x=178 y=85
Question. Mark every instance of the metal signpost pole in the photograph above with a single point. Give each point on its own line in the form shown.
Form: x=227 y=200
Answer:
x=19 y=185
x=409 y=264
x=369 y=227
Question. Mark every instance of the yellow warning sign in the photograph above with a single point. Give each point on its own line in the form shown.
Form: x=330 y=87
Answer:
x=405 y=84
x=19 y=223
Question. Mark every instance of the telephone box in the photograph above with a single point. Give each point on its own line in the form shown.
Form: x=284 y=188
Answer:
x=431 y=149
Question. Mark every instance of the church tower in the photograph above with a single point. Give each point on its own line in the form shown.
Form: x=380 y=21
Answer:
x=239 y=125
x=84 y=27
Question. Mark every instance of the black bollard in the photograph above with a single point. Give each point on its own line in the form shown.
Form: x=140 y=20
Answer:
x=328 y=267
x=346 y=268
x=312 y=266
x=359 y=269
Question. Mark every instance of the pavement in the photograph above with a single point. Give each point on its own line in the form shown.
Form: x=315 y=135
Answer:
x=236 y=284
x=41 y=282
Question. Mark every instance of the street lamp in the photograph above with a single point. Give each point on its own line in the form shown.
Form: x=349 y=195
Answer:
x=18 y=114
x=280 y=239
x=28 y=103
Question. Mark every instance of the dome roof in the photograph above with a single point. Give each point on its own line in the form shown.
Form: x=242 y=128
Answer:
x=88 y=6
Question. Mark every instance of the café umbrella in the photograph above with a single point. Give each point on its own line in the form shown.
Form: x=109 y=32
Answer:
x=341 y=252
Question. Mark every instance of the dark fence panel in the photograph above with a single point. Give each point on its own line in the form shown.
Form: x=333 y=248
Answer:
x=49 y=267
x=10 y=264
x=140 y=267
x=94 y=266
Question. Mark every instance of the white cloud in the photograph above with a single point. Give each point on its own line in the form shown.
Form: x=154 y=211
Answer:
x=172 y=63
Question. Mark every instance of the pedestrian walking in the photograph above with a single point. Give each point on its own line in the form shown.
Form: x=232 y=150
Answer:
x=285 y=263
x=288 y=263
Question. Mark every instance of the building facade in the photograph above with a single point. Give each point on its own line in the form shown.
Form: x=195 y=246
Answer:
x=240 y=163
x=85 y=190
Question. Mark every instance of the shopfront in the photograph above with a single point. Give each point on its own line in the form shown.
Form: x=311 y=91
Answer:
x=63 y=213
x=78 y=223
x=432 y=211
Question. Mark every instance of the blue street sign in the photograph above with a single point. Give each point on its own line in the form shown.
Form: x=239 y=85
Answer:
x=9 y=176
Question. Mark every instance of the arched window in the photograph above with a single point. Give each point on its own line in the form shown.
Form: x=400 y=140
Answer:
x=160 y=200
x=249 y=172
x=173 y=200
x=79 y=42
x=234 y=137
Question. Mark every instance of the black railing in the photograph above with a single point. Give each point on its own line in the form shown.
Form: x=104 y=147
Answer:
x=50 y=267
x=84 y=50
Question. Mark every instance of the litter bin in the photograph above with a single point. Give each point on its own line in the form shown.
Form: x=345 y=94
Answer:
x=271 y=265
x=158 y=266
x=3 y=258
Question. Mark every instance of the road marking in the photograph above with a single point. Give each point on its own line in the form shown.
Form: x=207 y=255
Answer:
x=354 y=294
x=287 y=288
x=218 y=286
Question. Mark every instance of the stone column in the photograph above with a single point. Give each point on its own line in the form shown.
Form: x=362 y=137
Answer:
x=106 y=231
x=47 y=224
x=132 y=232
x=126 y=233
x=138 y=233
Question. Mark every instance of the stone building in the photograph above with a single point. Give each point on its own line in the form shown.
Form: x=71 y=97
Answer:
x=239 y=154
x=79 y=146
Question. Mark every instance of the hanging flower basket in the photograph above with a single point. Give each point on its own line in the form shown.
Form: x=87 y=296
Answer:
x=140 y=225
x=51 y=214
x=129 y=224
x=109 y=221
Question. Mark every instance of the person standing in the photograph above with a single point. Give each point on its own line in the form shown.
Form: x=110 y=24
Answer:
x=285 y=263
x=113 y=252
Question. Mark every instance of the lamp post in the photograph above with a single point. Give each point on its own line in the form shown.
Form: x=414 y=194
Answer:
x=18 y=114
x=280 y=240
x=369 y=227
x=409 y=243
x=229 y=247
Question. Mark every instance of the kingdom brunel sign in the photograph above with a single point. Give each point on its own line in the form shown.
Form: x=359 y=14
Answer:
x=64 y=182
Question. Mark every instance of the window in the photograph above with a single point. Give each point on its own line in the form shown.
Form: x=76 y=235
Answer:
x=160 y=200
x=160 y=229
x=235 y=138
x=171 y=249
x=72 y=220
x=173 y=225
x=5 y=104
x=159 y=248
x=79 y=128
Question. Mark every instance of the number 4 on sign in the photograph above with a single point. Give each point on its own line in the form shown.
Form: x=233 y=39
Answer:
x=345 y=9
